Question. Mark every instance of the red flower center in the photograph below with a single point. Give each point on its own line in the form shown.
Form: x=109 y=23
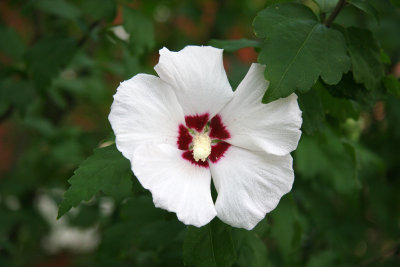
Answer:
x=200 y=124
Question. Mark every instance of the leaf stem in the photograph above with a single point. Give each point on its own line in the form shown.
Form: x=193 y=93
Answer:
x=335 y=12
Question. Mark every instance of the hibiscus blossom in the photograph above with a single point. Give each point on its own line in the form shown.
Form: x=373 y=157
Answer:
x=187 y=125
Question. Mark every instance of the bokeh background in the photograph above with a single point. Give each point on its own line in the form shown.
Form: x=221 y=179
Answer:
x=60 y=63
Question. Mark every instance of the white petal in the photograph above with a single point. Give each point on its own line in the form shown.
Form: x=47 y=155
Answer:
x=198 y=77
x=145 y=109
x=273 y=127
x=249 y=185
x=176 y=184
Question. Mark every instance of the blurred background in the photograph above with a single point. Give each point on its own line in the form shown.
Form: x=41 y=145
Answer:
x=60 y=63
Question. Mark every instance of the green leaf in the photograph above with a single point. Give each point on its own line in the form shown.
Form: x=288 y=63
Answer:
x=314 y=156
x=147 y=229
x=147 y=223
x=233 y=45
x=104 y=9
x=286 y=226
x=367 y=7
x=392 y=85
x=130 y=62
x=106 y=170
x=17 y=93
x=209 y=246
x=313 y=112
x=324 y=258
x=251 y=250
x=60 y=8
x=11 y=43
x=298 y=49
x=385 y=57
x=347 y=88
x=48 y=56
x=339 y=108
x=368 y=161
x=365 y=56
x=326 y=6
x=140 y=28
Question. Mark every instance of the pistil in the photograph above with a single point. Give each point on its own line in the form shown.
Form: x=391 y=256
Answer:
x=201 y=147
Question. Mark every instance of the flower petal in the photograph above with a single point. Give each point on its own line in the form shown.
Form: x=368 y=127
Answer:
x=176 y=184
x=249 y=185
x=197 y=75
x=145 y=109
x=272 y=127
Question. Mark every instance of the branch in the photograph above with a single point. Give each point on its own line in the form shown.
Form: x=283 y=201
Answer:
x=335 y=12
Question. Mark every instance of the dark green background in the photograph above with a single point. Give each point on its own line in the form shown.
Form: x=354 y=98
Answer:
x=60 y=64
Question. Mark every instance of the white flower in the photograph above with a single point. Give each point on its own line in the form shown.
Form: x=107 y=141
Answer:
x=187 y=125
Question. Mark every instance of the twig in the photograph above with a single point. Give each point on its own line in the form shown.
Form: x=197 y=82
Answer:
x=335 y=12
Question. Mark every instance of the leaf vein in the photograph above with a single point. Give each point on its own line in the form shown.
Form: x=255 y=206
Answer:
x=295 y=57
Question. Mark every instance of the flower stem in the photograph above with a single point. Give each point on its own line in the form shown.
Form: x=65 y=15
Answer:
x=335 y=12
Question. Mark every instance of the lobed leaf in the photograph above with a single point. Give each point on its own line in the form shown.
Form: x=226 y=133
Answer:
x=106 y=170
x=365 y=56
x=298 y=49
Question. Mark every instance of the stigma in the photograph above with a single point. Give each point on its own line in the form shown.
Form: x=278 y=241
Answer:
x=201 y=147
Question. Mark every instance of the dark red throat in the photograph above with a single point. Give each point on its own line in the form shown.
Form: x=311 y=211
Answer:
x=217 y=131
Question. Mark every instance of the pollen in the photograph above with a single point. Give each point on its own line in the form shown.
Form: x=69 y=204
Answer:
x=201 y=147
